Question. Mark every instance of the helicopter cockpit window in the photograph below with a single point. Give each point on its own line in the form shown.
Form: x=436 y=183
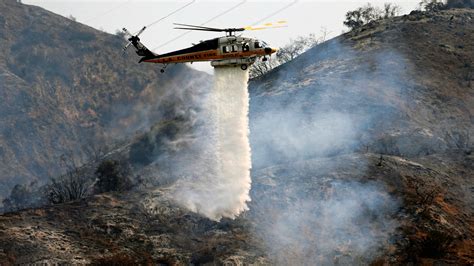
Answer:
x=257 y=45
x=224 y=49
x=245 y=47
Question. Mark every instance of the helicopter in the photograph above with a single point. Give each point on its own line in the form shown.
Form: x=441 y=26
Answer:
x=229 y=50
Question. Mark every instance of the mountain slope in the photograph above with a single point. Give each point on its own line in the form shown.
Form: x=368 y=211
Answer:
x=361 y=155
x=405 y=83
x=399 y=90
x=67 y=90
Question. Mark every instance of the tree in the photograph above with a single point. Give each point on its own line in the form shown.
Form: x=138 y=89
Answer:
x=432 y=5
x=287 y=53
x=296 y=47
x=368 y=13
x=391 y=10
x=113 y=175
x=355 y=19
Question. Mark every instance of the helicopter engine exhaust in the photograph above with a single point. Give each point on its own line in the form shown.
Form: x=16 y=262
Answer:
x=223 y=190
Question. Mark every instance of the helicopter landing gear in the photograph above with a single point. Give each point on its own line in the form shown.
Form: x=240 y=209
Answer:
x=243 y=67
x=163 y=69
x=264 y=59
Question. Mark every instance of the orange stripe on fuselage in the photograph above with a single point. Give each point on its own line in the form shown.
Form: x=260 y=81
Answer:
x=208 y=55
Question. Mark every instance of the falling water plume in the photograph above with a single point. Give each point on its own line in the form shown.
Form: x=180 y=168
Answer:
x=222 y=190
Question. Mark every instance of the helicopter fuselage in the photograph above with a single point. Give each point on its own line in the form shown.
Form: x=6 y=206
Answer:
x=223 y=51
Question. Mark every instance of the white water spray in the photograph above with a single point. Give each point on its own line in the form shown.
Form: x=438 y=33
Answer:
x=220 y=187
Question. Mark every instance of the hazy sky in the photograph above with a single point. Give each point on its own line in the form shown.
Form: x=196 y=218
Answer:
x=304 y=17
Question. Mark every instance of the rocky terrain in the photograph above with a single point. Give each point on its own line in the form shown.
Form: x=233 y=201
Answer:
x=362 y=154
x=148 y=228
x=114 y=229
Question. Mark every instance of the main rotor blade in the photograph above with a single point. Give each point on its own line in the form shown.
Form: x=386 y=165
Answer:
x=194 y=26
x=206 y=22
x=263 y=28
x=217 y=30
x=172 y=13
x=141 y=31
x=126 y=46
x=127 y=33
x=271 y=25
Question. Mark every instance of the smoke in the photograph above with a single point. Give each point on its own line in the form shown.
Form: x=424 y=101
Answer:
x=177 y=100
x=339 y=224
x=313 y=201
x=320 y=134
x=220 y=181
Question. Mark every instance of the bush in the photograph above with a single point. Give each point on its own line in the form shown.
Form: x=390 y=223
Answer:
x=150 y=146
x=436 y=244
x=113 y=175
x=18 y=198
x=22 y=197
x=72 y=186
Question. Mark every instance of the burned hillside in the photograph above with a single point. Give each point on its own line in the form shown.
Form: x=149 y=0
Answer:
x=67 y=90
x=362 y=154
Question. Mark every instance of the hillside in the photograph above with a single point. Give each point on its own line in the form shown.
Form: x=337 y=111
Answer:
x=68 y=91
x=400 y=90
x=362 y=154
x=405 y=85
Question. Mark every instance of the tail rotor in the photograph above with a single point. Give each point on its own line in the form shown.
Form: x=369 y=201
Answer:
x=132 y=38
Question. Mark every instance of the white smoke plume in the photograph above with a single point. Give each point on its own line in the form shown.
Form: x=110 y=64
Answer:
x=220 y=184
x=312 y=121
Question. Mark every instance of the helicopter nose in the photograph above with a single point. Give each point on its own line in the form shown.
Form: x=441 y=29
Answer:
x=269 y=50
